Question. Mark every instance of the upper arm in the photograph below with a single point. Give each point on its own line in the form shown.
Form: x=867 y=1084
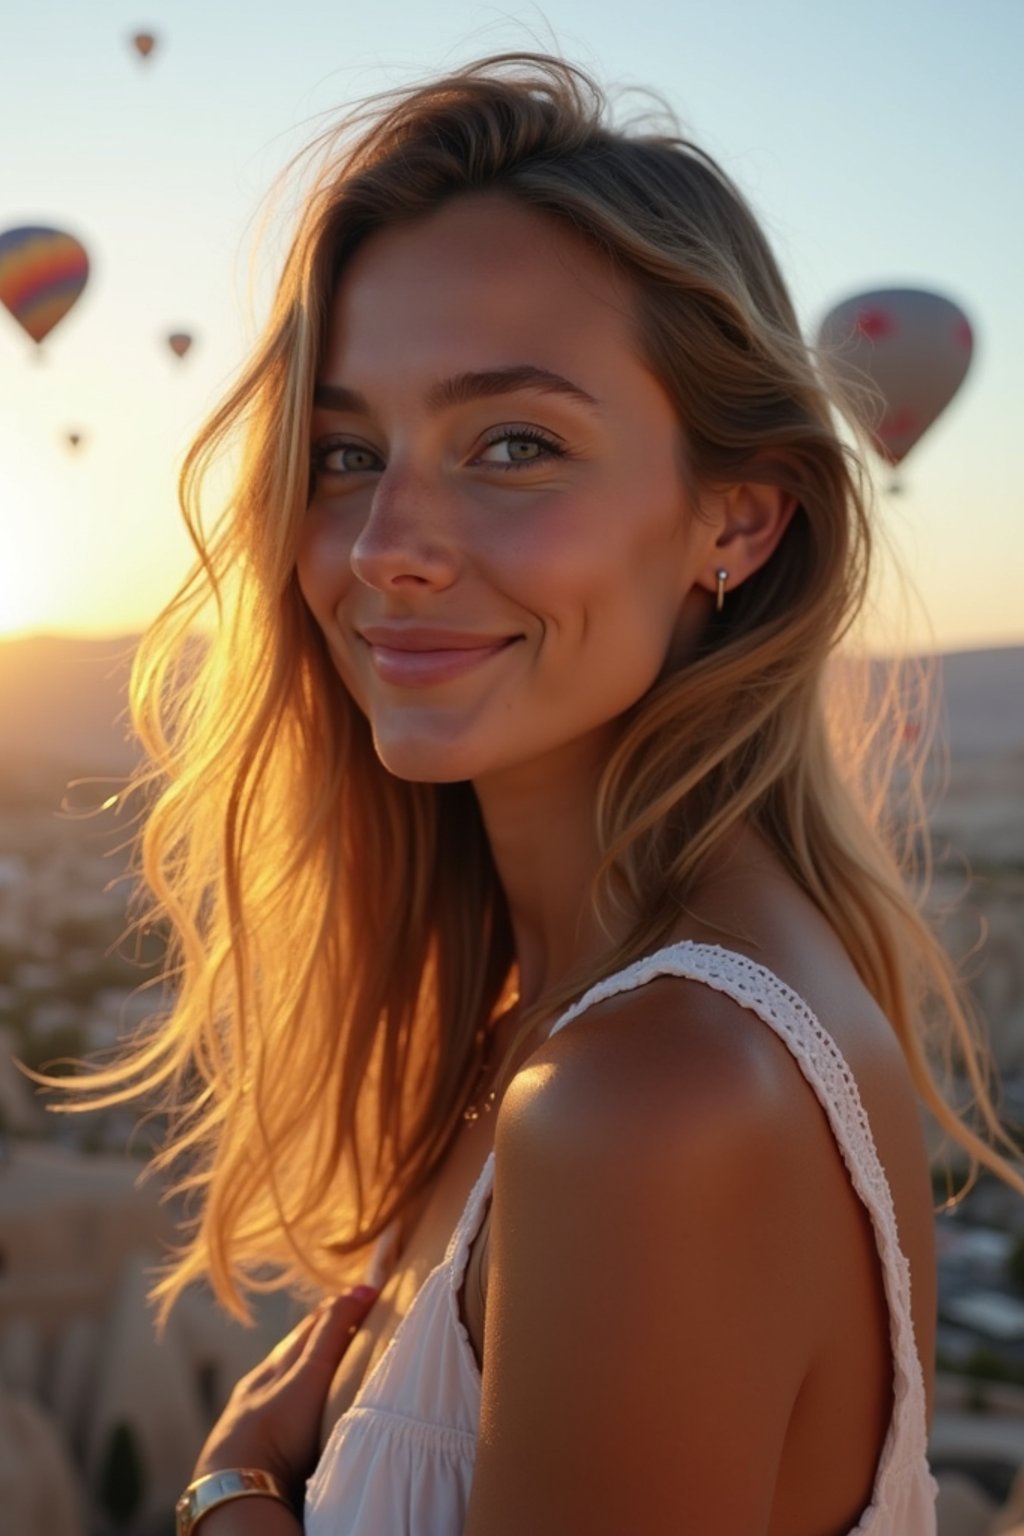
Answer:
x=649 y=1311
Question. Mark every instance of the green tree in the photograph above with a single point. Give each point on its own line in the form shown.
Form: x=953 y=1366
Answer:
x=986 y=1364
x=121 y=1478
x=1015 y=1264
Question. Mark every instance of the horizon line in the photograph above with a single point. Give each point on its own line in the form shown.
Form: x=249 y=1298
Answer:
x=128 y=636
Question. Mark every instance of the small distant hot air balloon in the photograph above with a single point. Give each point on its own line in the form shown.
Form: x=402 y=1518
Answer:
x=73 y=439
x=179 y=342
x=42 y=273
x=914 y=345
x=143 y=43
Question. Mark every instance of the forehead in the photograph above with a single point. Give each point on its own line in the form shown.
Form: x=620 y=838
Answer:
x=480 y=281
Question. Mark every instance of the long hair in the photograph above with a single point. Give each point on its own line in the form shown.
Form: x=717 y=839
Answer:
x=338 y=937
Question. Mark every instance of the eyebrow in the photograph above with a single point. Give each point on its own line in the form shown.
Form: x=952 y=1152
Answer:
x=463 y=387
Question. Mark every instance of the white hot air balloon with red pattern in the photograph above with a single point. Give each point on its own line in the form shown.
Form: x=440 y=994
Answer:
x=914 y=346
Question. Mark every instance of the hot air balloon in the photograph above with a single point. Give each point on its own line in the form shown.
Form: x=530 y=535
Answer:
x=73 y=439
x=144 y=43
x=913 y=345
x=179 y=342
x=42 y=273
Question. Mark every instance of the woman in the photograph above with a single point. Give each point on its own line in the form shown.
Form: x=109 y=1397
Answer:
x=528 y=924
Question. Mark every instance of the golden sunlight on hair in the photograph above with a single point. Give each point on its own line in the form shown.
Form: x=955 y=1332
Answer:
x=340 y=936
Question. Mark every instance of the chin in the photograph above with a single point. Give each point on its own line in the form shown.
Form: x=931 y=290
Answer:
x=418 y=762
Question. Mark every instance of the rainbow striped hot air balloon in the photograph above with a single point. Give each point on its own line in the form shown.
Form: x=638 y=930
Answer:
x=42 y=273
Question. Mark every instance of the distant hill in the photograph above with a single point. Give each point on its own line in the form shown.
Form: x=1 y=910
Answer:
x=63 y=703
x=984 y=692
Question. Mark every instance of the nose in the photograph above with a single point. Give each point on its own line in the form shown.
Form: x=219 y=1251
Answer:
x=408 y=538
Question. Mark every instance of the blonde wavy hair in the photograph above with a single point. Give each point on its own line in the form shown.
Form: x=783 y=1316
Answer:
x=337 y=937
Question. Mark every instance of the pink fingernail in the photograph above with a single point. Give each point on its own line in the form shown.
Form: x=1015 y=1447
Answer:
x=363 y=1293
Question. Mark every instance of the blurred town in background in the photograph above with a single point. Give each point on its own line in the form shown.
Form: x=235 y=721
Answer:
x=109 y=1417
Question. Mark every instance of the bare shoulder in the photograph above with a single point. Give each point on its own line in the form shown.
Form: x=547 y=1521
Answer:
x=665 y=1064
x=650 y=1281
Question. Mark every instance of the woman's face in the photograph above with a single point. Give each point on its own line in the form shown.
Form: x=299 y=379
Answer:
x=493 y=459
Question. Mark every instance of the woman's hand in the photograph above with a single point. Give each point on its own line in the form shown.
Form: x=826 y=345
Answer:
x=272 y=1419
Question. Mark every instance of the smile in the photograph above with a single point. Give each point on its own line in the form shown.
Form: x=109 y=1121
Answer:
x=412 y=669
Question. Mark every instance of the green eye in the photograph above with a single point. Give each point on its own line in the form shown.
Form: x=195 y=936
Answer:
x=522 y=446
x=355 y=459
x=343 y=458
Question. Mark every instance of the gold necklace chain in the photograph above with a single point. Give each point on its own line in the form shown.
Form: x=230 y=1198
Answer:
x=486 y=1035
x=480 y=1106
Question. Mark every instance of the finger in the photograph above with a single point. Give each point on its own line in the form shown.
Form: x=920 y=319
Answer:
x=336 y=1325
x=289 y=1348
x=340 y=1316
x=318 y=1328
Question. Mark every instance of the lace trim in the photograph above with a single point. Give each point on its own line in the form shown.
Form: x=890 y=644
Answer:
x=457 y=1257
x=755 y=987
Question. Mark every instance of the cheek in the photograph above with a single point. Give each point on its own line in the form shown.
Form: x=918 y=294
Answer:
x=628 y=607
x=322 y=564
x=324 y=576
x=600 y=568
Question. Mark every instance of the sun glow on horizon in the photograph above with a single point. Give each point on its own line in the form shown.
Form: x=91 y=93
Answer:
x=24 y=595
x=91 y=544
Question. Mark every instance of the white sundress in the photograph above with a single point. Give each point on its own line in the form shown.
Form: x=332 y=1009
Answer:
x=399 y=1462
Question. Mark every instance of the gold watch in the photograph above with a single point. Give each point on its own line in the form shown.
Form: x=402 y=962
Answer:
x=216 y=1488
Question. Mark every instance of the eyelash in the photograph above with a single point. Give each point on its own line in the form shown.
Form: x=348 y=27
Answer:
x=328 y=445
x=525 y=435
x=502 y=435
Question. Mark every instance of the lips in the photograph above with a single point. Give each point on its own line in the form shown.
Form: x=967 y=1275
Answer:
x=394 y=637
x=413 y=659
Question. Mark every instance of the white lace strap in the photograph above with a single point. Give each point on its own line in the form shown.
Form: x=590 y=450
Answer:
x=469 y=1222
x=824 y=1066
x=760 y=991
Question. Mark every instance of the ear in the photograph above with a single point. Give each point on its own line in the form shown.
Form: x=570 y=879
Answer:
x=750 y=520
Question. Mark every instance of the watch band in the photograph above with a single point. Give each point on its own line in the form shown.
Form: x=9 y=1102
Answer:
x=216 y=1488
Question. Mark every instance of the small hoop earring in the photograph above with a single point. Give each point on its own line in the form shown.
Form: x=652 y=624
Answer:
x=721 y=577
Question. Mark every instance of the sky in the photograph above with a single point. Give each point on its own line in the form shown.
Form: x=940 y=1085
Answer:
x=879 y=144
